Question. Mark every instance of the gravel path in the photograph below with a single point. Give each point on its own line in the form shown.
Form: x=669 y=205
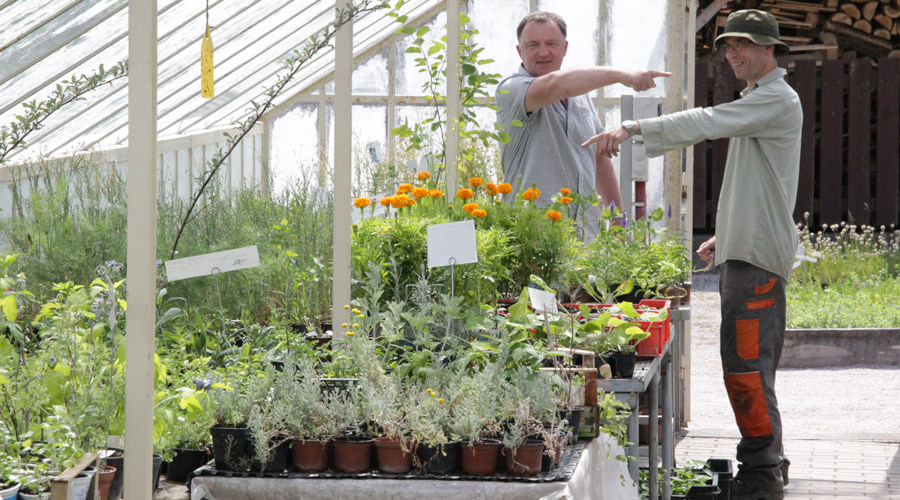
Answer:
x=839 y=403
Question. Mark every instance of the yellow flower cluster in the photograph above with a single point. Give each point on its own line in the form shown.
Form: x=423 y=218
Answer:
x=468 y=207
x=554 y=215
x=404 y=188
x=465 y=194
x=532 y=194
x=423 y=176
x=362 y=202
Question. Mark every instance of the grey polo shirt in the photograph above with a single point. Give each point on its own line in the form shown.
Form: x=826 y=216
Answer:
x=754 y=222
x=546 y=149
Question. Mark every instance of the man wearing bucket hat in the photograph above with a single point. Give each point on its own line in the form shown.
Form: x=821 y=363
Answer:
x=755 y=239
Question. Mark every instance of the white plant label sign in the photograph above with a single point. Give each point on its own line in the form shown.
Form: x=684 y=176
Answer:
x=452 y=243
x=542 y=301
x=212 y=263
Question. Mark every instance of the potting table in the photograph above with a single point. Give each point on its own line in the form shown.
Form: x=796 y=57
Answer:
x=649 y=375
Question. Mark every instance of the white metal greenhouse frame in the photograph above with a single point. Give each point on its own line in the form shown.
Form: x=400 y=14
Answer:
x=165 y=114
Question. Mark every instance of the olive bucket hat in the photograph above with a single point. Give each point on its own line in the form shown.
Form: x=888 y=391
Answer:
x=758 y=26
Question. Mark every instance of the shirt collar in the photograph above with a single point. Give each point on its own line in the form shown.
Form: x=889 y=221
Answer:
x=769 y=77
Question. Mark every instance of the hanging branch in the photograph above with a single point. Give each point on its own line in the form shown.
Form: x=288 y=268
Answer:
x=13 y=137
x=314 y=44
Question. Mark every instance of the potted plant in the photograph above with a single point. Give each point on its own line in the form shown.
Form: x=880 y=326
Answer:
x=383 y=407
x=231 y=405
x=310 y=415
x=475 y=419
x=428 y=416
x=9 y=477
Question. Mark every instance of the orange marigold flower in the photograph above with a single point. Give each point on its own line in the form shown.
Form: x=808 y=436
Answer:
x=404 y=188
x=531 y=194
x=491 y=189
x=505 y=187
x=468 y=207
x=435 y=193
x=401 y=200
x=553 y=215
x=423 y=176
x=479 y=212
x=388 y=201
x=362 y=202
x=565 y=191
x=476 y=181
x=498 y=202
x=465 y=194
x=419 y=192
x=565 y=200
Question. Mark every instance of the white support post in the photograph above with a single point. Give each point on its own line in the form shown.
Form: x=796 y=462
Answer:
x=453 y=104
x=141 y=264
x=343 y=158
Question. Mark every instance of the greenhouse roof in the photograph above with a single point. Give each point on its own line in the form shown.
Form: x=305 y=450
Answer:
x=44 y=43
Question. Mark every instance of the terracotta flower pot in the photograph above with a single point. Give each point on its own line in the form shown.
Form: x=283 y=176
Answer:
x=480 y=458
x=104 y=480
x=309 y=455
x=352 y=455
x=525 y=459
x=392 y=459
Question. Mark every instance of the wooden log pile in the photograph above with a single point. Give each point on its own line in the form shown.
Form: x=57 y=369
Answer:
x=823 y=28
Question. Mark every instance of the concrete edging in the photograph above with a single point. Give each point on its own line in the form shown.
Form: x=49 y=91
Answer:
x=841 y=347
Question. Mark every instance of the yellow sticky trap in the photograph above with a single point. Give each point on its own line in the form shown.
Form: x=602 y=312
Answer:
x=206 y=66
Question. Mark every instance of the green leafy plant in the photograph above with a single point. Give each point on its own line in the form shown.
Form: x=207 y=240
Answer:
x=692 y=473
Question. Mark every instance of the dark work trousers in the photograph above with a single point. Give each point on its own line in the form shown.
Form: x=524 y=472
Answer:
x=751 y=338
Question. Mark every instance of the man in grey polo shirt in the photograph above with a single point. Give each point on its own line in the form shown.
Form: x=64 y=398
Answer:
x=557 y=116
x=755 y=237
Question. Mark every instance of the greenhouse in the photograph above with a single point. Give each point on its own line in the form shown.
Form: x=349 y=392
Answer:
x=239 y=233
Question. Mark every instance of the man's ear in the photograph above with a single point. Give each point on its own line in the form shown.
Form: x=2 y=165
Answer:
x=519 y=50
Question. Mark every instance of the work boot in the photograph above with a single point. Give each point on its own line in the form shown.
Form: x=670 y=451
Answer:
x=785 y=463
x=756 y=487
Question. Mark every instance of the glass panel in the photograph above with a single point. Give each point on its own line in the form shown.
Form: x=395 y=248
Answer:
x=46 y=38
x=496 y=23
x=369 y=149
x=639 y=40
x=410 y=79
x=294 y=151
x=371 y=77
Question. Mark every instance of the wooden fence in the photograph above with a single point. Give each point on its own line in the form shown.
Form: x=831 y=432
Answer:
x=850 y=146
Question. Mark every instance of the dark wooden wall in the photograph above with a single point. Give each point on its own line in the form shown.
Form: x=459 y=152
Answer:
x=850 y=147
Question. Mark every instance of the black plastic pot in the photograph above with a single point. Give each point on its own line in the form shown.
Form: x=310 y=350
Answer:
x=157 y=465
x=232 y=447
x=573 y=416
x=436 y=462
x=118 y=482
x=184 y=462
x=623 y=364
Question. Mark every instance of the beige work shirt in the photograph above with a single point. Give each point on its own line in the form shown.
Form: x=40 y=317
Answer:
x=754 y=221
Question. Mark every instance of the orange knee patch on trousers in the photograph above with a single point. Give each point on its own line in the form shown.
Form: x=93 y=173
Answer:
x=749 y=403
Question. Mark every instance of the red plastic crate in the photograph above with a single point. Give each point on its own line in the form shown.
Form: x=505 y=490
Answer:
x=653 y=345
x=661 y=304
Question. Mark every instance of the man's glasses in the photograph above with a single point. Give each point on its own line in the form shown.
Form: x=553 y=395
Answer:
x=737 y=46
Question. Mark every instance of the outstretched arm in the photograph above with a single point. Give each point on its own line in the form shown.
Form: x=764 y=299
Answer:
x=564 y=83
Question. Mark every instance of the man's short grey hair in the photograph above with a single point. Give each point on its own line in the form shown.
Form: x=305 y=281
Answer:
x=542 y=17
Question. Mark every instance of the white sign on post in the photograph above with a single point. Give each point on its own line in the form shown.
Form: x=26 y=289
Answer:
x=211 y=263
x=452 y=243
x=542 y=301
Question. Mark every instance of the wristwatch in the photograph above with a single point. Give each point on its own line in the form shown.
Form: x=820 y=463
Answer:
x=628 y=125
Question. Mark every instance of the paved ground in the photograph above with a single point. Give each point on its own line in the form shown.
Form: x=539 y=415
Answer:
x=841 y=427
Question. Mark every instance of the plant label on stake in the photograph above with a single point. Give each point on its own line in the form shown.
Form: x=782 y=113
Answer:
x=544 y=302
x=212 y=263
x=453 y=240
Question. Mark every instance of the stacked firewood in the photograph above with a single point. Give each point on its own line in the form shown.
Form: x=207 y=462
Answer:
x=828 y=28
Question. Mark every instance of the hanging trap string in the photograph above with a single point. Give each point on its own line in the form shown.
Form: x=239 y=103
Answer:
x=206 y=61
